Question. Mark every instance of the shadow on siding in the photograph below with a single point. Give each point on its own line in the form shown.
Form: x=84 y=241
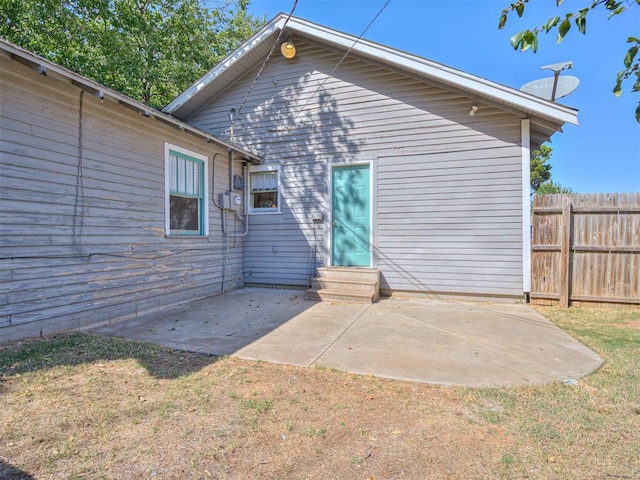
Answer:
x=304 y=134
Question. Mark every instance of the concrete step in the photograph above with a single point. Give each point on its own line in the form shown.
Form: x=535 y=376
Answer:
x=346 y=284
x=340 y=296
x=322 y=283
x=350 y=273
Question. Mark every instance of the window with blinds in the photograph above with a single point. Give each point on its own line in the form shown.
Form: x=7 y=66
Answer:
x=186 y=188
x=264 y=190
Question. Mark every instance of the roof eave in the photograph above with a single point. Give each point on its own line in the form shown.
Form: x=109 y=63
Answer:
x=443 y=74
x=526 y=104
x=35 y=61
x=264 y=33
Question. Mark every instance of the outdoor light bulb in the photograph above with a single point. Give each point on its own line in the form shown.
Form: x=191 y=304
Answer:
x=288 y=50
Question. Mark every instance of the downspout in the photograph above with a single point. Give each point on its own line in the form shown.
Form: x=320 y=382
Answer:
x=225 y=219
x=230 y=171
x=245 y=220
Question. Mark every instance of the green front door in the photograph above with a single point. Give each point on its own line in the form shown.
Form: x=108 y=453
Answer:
x=351 y=205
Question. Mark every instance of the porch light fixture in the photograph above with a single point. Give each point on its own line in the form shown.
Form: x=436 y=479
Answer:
x=288 y=49
x=473 y=110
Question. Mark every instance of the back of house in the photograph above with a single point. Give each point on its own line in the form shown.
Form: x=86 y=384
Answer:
x=340 y=153
x=376 y=158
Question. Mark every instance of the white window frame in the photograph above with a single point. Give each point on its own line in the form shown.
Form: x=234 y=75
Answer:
x=204 y=206
x=249 y=199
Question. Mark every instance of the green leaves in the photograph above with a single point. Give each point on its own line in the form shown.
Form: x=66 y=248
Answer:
x=503 y=21
x=518 y=7
x=150 y=50
x=616 y=8
x=617 y=89
x=551 y=187
x=631 y=53
x=563 y=29
x=632 y=69
x=581 y=20
x=551 y=23
x=528 y=39
x=540 y=168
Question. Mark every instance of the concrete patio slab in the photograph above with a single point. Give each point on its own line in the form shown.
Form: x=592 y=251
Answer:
x=433 y=341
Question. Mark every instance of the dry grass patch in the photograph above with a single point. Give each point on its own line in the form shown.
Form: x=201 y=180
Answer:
x=586 y=429
x=87 y=407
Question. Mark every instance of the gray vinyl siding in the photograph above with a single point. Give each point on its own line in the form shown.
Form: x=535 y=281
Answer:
x=286 y=243
x=448 y=193
x=450 y=225
x=134 y=268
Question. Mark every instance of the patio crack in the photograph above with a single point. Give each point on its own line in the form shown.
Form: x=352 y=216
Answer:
x=339 y=336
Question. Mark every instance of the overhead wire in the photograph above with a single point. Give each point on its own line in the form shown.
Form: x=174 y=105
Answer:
x=342 y=59
x=78 y=218
x=79 y=200
x=264 y=63
x=392 y=264
x=409 y=276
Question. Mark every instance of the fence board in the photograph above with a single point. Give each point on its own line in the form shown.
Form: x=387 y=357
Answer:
x=586 y=250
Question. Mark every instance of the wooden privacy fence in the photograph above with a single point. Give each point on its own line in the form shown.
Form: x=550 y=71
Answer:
x=586 y=250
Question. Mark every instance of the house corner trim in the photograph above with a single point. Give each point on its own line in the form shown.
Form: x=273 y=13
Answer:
x=526 y=210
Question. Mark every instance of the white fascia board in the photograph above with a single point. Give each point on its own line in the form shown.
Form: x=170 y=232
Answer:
x=422 y=67
x=525 y=133
x=426 y=68
x=227 y=63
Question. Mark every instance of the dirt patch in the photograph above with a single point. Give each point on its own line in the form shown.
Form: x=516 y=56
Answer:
x=90 y=407
x=238 y=419
x=633 y=324
x=232 y=419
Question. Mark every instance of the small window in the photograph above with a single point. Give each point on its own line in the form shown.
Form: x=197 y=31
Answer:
x=186 y=204
x=264 y=189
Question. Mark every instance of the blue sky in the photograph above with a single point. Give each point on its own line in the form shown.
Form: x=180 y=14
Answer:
x=602 y=154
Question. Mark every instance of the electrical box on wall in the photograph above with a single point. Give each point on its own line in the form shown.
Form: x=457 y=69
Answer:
x=230 y=201
x=225 y=201
x=236 y=201
x=238 y=182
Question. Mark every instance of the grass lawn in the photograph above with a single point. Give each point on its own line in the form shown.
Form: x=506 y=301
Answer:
x=86 y=407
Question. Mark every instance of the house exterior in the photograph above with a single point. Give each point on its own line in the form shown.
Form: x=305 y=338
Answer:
x=108 y=209
x=373 y=157
x=347 y=153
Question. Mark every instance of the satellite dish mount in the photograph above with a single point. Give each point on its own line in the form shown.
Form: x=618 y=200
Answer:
x=556 y=68
x=553 y=88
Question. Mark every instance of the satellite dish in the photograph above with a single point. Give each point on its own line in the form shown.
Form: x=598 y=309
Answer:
x=544 y=88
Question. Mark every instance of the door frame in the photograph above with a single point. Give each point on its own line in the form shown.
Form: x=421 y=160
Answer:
x=373 y=205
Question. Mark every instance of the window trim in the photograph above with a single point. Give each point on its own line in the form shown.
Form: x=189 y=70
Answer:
x=204 y=199
x=248 y=201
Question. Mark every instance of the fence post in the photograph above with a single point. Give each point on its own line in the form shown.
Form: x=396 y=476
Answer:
x=565 y=253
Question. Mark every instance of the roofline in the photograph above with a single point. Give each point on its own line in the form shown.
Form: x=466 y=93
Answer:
x=443 y=74
x=43 y=65
x=226 y=63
